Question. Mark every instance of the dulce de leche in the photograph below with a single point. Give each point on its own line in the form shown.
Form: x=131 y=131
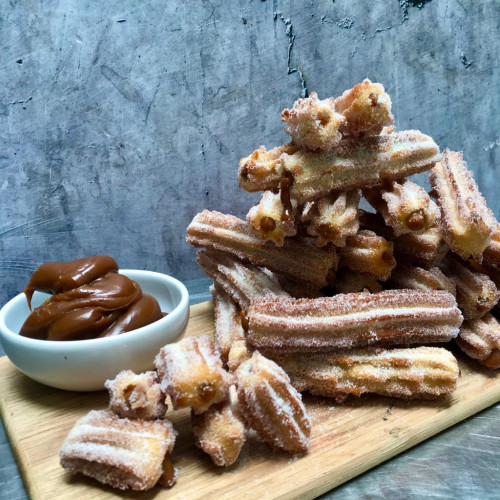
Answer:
x=89 y=299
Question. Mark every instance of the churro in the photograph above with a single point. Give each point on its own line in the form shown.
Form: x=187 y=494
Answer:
x=480 y=339
x=297 y=258
x=191 y=374
x=271 y=219
x=352 y=164
x=136 y=396
x=491 y=254
x=366 y=107
x=424 y=249
x=467 y=222
x=348 y=281
x=300 y=289
x=313 y=124
x=405 y=206
x=244 y=282
x=121 y=452
x=415 y=373
x=271 y=406
x=368 y=253
x=390 y=317
x=417 y=278
x=333 y=218
x=219 y=432
x=476 y=292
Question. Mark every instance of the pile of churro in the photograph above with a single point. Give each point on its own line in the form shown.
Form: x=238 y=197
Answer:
x=313 y=294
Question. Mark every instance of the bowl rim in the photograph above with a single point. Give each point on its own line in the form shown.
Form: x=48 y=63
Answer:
x=64 y=345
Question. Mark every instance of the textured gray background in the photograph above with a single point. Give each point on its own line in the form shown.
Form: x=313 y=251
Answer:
x=120 y=120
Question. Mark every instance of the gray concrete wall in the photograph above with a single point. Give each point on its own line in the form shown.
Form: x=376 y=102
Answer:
x=120 y=120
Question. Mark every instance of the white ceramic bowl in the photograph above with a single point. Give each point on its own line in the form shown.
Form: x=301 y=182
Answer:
x=84 y=365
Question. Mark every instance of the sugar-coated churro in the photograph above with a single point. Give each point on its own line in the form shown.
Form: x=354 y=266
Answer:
x=352 y=164
x=476 y=292
x=297 y=258
x=368 y=253
x=244 y=282
x=348 y=281
x=417 y=278
x=191 y=374
x=220 y=432
x=271 y=219
x=466 y=220
x=405 y=206
x=299 y=289
x=271 y=406
x=491 y=254
x=333 y=218
x=121 y=452
x=366 y=107
x=416 y=373
x=425 y=249
x=136 y=396
x=391 y=317
x=313 y=124
x=480 y=339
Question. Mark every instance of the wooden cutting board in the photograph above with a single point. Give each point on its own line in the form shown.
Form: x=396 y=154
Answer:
x=347 y=439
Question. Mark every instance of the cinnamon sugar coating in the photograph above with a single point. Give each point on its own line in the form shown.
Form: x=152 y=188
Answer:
x=136 y=396
x=416 y=373
x=191 y=373
x=271 y=406
x=353 y=281
x=417 y=278
x=390 y=317
x=121 y=452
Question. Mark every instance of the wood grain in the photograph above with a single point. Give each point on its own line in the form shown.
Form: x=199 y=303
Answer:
x=347 y=439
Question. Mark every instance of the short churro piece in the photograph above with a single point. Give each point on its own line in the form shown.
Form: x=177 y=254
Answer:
x=297 y=258
x=120 y=452
x=352 y=281
x=480 y=339
x=476 y=292
x=136 y=396
x=354 y=163
x=390 y=317
x=220 y=432
x=467 y=222
x=491 y=254
x=408 y=276
x=240 y=351
x=313 y=124
x=191 y=374
x=367 y=109
x=333 y=218
x=242 y=281
x=405 y=206
x=368 y=253
x=425 y=249
x=417 y=373
x=271 y=219
x=271 y=406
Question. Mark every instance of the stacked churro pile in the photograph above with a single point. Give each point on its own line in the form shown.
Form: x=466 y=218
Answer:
x=343 y=299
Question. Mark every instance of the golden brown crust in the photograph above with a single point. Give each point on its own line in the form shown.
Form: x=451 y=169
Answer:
x=390 y=317
x=416 y=373
x=417 y=278
x=466 y=220
x=491 y=254
x=120 y=452
x=271 y=406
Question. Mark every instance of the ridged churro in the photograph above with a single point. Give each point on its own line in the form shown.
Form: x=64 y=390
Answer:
x=271 y=219
x=313 y=124
x=466 y=220
x=136 y=396
x=300 y=289
x=404 y=205
x=425 y=249
x=491 y=254
x=297 y=258
x=368 y=253
x=271 y=406
x=366 y=107
x=191 y=374
x=244 y=282
x=391 y=317
x=352 y=164
x=121 y=452
x=416 y=373
x=333 y=218
x=417 y=278
x=480 y=339
x=348 y=281
x=476 y=292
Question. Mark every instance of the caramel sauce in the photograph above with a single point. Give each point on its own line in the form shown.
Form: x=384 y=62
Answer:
x=285 y=186
x=416 y=220
x=244 y=321
x=267 y=224
x=374 y=99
